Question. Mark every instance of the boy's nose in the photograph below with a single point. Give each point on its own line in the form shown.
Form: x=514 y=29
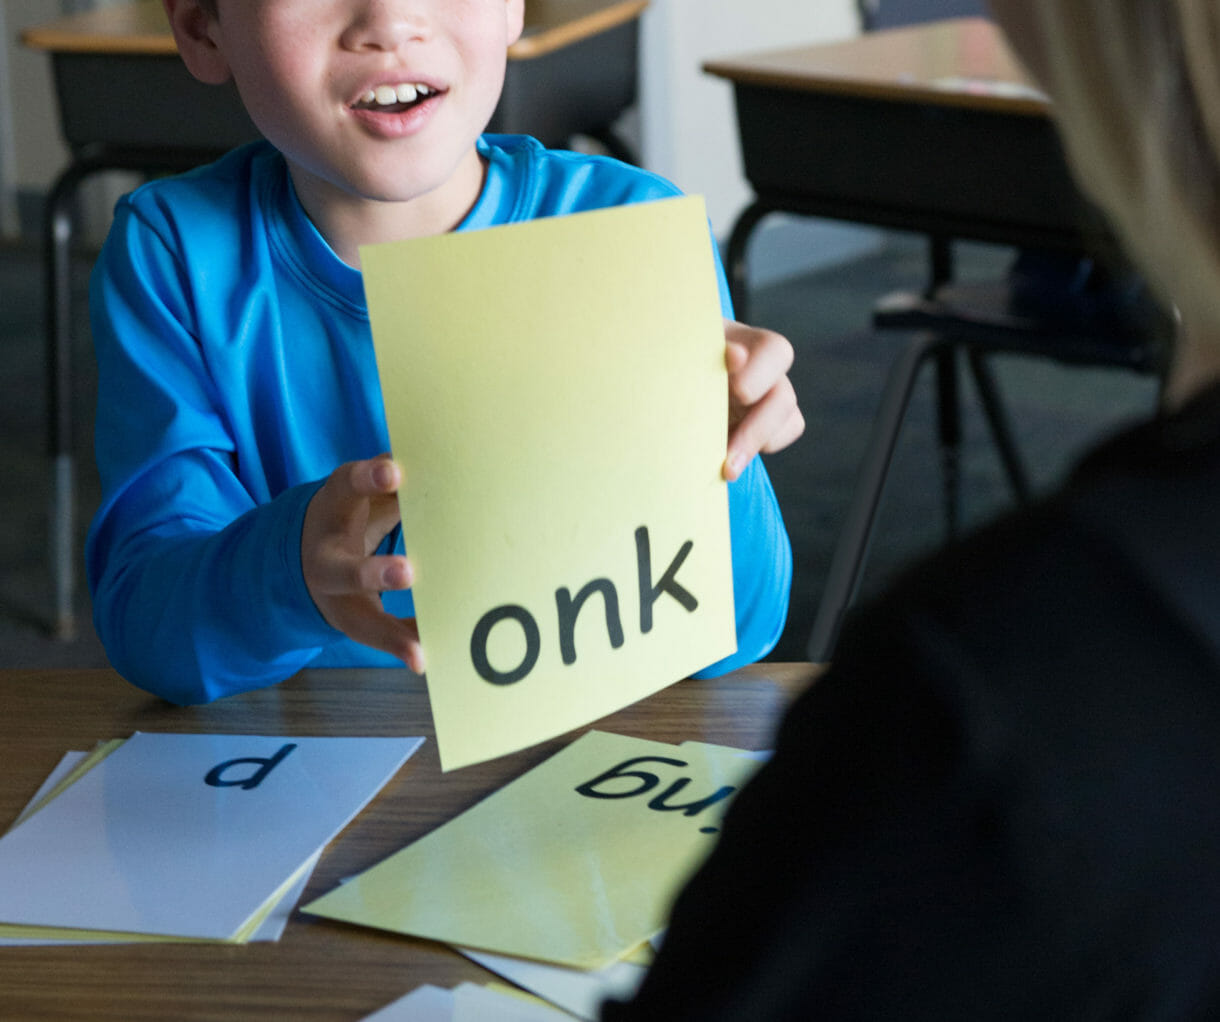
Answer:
x=385 y=24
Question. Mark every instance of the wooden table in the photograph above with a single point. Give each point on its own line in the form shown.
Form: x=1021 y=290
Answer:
x=126 y=102
x=319 y=969
x=933 y=128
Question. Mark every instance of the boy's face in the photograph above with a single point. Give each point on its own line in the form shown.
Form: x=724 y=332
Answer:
x=316 y=77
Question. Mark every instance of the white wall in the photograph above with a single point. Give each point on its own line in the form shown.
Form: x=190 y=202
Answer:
x=40 y=153
x=688 y=122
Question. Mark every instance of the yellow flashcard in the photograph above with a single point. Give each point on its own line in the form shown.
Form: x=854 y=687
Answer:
x=575 y=862
x=556 y=394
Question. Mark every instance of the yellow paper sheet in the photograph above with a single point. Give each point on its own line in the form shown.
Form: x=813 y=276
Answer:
x=556 y=394
x=575 y=862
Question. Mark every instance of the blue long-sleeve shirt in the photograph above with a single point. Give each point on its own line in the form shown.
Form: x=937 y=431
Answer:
x=236 y=371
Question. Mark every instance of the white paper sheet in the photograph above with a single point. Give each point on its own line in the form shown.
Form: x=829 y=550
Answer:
x=188 y=835
x=576 y=991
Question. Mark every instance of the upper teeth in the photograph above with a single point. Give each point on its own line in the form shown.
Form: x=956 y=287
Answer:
x=384 y=95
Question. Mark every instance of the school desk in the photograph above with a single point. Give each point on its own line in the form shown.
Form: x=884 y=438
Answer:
x=127 y=103
x=319 y=969
x=932 y=128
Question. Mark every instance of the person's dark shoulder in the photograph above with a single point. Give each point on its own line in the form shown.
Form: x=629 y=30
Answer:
x=1096 y=549
x=999 y=594
x=1039 y=634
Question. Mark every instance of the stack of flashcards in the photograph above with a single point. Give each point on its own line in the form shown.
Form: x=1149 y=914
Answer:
x=560 y=880
x=166 y=837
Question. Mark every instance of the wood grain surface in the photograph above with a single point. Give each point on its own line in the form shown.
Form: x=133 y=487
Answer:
x=320 y=969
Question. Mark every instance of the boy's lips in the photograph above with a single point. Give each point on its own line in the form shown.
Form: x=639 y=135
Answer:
x=394 y=97
x=396 y=109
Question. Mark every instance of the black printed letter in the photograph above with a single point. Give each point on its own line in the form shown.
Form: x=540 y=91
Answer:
x=691 y=808
x=648 y=781
x=649 y=594
x=478 y=644
x=269 y=763
x=569 y=609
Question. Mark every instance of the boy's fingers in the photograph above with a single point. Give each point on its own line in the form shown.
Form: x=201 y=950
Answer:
x=768 y=358
x=384 y=475
x=339 y=573
x=358 y=502
x=383 y=516
x=382 y=574
x=770 y=426
x=370 y=478
x=362 y=619
x=736 y=355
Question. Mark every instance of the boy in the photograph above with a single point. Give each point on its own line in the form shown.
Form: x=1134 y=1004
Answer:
x=235 y=362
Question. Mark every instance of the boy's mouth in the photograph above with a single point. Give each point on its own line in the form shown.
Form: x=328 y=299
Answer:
x=394 y=99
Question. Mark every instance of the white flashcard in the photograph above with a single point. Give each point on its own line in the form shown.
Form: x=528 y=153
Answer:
x=67 y=763
x=188 y=835
x=425 y=1003
x=467 y=1002
x=269 y=930
x=577 y=991
x=473 y=1003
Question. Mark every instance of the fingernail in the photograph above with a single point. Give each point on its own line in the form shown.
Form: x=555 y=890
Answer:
x=383 y=475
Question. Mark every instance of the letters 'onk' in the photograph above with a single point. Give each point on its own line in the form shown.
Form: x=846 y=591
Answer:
x=568 y=609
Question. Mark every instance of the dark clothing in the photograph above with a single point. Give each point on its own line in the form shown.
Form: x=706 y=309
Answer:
x=1003 y=800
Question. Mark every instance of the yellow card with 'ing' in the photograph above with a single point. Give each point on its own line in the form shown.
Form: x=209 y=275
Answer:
x=575 y=862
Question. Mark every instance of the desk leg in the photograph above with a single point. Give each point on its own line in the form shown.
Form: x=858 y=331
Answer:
x=58 y=230
x=58 y=233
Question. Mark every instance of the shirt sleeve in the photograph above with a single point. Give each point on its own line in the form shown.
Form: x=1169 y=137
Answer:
x=762 y=553
x=197 y=585
x=762 y=569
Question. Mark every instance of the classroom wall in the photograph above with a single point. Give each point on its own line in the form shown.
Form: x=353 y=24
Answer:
x=686 y=119
x=31 y=100
x=688 y=123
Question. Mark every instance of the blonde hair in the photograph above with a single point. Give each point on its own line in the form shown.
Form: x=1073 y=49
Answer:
x=1136 y=91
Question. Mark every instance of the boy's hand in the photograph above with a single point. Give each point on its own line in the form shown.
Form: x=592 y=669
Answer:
x=345 y=522
x=763 y=414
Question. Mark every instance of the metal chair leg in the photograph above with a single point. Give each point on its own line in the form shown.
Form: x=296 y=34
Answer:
x=949 y=432
x=1001 y=428
x=851 y=549
x=58 y=229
